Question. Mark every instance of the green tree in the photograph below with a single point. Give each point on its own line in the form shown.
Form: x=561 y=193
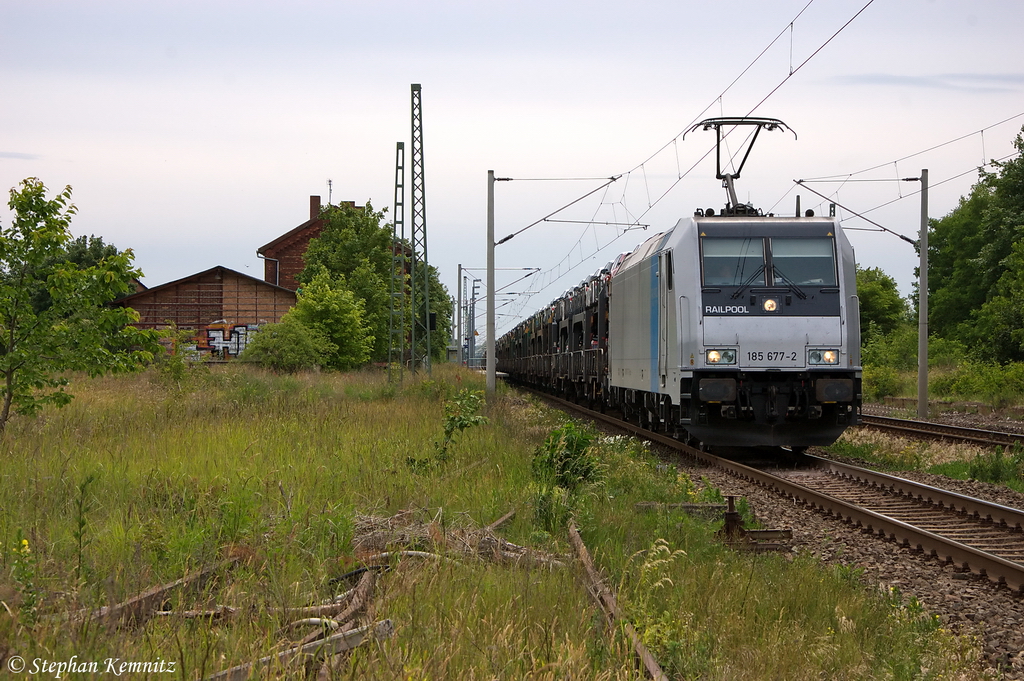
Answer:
x=969 y=252
x=74 y=329
x=882 y=310
x=996 y=329
x=327 y=305
x=288 y=346
x=355 y=244
x=83 y=252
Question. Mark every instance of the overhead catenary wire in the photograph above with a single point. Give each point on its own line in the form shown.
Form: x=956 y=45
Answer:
x=861 y=214
x=674 y=143
x=923 y=151
x=883 y=228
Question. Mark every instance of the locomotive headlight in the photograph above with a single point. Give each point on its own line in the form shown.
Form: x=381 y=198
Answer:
x=719 y=357
x=770 y=305
x=823 y=357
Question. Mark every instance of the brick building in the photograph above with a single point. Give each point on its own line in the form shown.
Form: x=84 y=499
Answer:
x=220 y=304
x=282 y=257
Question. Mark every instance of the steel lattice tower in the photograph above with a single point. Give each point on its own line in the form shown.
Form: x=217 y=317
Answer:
x=419 y=275
x=396 y=350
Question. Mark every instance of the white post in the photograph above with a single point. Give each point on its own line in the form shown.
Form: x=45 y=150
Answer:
x=922 y=306
x=458 y=317
x=491 y=363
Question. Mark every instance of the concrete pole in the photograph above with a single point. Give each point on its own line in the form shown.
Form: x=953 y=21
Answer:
x=458 y=317
x=922 y=306
x=491 y=363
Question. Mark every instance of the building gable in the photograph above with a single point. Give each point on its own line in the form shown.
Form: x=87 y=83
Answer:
x=218 y=295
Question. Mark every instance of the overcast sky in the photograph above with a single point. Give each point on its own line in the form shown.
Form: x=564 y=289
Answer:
x=195 y=132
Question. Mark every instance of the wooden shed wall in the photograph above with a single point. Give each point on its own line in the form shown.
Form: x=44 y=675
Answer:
x=217 y=295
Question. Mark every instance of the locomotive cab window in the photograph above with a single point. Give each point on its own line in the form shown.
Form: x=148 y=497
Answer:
x=803 y=262
x=733 y=262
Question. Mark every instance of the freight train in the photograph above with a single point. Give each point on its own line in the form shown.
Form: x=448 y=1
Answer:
x=737 y=329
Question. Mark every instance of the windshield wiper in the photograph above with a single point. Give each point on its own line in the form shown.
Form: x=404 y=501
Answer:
x=750 y=280
x=789 y=282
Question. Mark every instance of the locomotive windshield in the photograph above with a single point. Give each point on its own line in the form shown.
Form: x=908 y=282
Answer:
x=733 y=262
x=804 y=262
x=791 y=261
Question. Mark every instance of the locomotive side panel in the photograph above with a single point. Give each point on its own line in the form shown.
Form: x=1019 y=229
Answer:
x=632 y=311
x=851 y=312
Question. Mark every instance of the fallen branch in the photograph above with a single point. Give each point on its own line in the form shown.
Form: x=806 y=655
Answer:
x=501 y=521
x=337 y=643
x=138 y=609
x=407 y=554
x=225 y=611
x=529 y=557
x=340 y=604
x=219 y=612
x=315 y=622
x=360 y=599
x=606 y=600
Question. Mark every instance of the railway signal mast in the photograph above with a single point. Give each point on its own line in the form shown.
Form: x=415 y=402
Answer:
x=396 y=349
x=410 y=259
x=420 y=275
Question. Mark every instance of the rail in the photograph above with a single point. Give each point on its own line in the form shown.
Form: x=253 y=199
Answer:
x=942 y=430
x=996 y=569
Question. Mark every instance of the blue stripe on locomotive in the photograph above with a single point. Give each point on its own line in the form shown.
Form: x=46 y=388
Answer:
x=655 y=306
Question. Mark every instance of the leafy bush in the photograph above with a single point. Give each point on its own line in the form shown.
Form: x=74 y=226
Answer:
x=991 y=383
x=896 y=350
x=999 y=467
x=288 y=346
x=944 y=352
x=328 y=305
x=880 y=382
x=565 y=459
x=460 y=413
x=180 y=365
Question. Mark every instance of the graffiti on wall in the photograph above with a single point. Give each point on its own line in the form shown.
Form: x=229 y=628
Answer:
x=222 y=339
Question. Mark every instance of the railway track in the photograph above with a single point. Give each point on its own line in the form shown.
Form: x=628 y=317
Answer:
x=972 y=534
x=930 y=429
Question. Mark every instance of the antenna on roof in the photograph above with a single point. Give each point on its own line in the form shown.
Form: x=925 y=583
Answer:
x=329 y=188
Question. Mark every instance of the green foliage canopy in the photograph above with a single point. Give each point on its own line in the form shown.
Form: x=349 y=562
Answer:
x=70 y=328
x=355 y=245
x=976 y=278
x=882 y=310
x=327 y=305
x=288 y=346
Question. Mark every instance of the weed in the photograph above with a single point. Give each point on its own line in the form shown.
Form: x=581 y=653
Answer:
x=81 y=542
x=565 y=460
x=881 y=382
x=843 y=447
x=552 y=506
x=460 y=413
x=181 y=366
x=998 y=466
x=24 y=575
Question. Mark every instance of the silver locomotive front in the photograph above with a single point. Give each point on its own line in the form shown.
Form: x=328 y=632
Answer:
x=778 y=360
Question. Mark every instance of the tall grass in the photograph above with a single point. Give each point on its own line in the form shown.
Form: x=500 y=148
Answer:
x=141 y=480
x=1002 y=466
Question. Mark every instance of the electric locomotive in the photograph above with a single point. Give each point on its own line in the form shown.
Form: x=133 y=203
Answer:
x=736 y=329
